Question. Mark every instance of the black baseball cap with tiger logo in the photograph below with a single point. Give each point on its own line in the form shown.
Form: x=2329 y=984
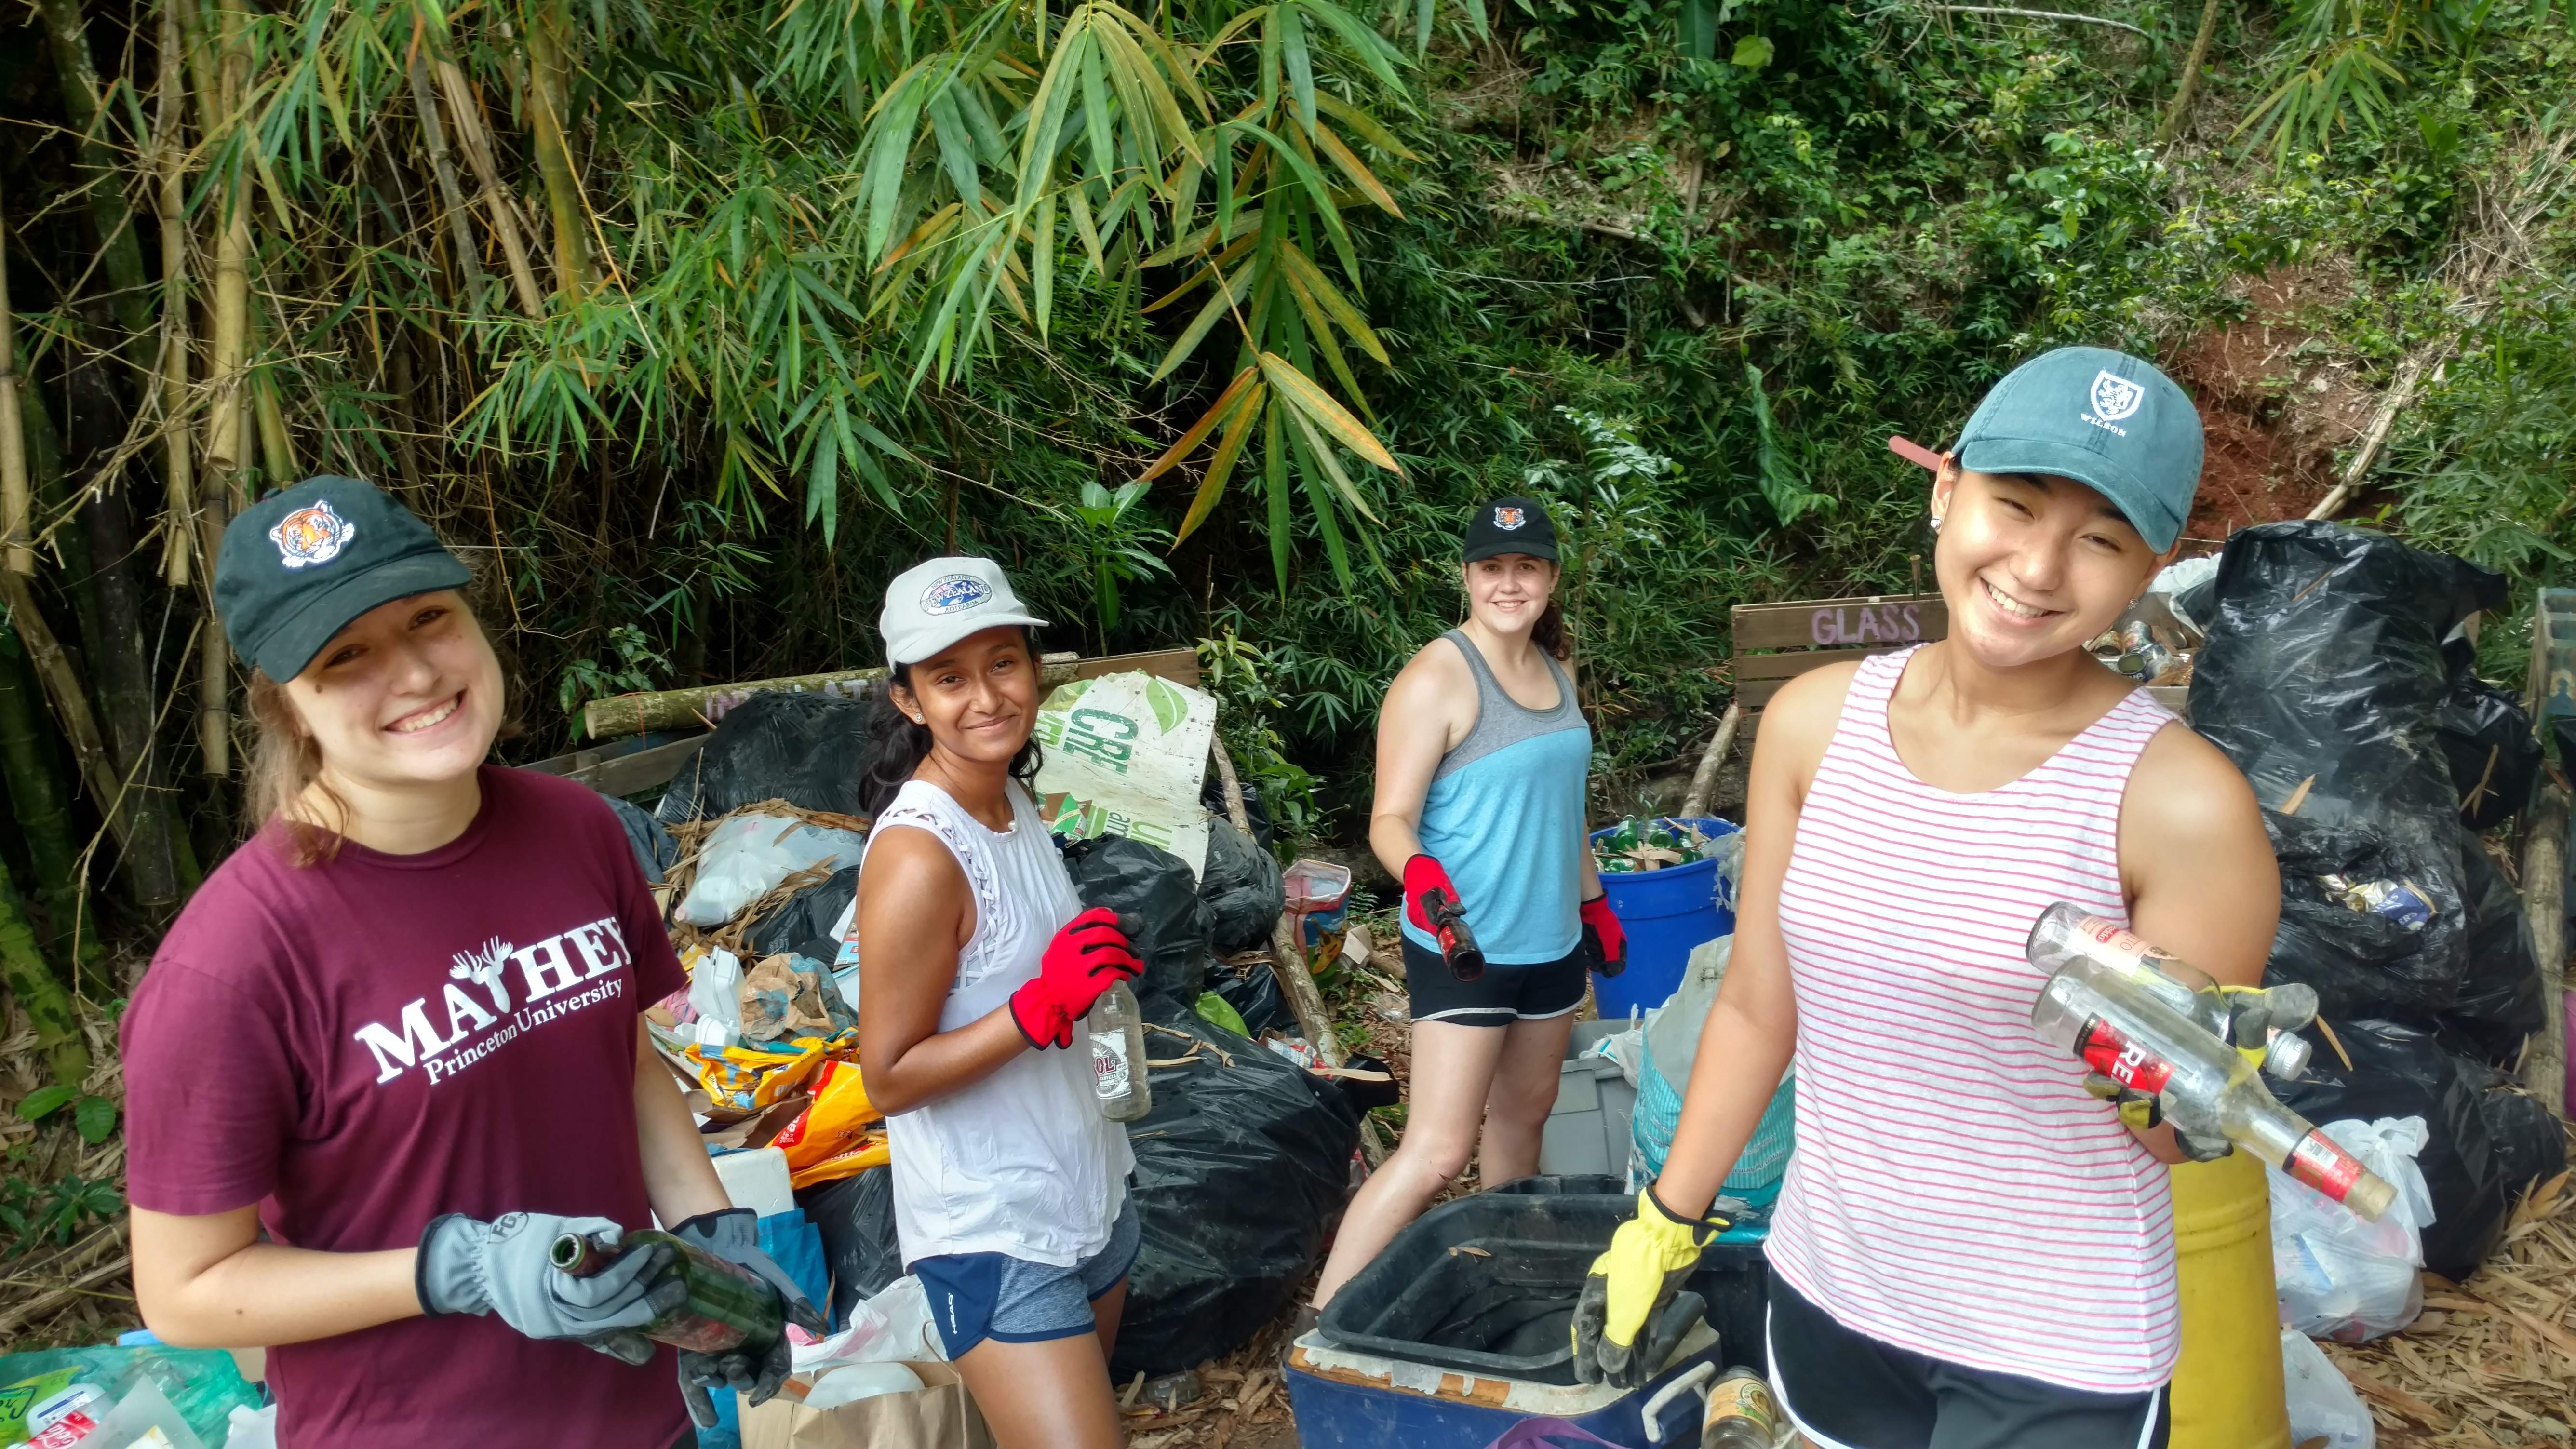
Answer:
x=298 y=565
x=1511 y=525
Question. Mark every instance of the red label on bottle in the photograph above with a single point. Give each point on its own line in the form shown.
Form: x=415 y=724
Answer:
x=66 y=1431
x=2319 y=1163
x=2106 y=1050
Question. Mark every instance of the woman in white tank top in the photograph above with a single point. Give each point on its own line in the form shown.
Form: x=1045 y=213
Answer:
x=977 y=965
x=1971 y=1248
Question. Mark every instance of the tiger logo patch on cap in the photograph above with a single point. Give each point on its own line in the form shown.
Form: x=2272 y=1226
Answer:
x=313 y=535
x=1509 y=518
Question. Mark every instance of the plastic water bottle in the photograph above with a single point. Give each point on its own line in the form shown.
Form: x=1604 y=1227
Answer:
x=1118 y=1059
x=2129 y=1030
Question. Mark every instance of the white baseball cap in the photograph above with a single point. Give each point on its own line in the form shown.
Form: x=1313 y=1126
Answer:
x=933 y=605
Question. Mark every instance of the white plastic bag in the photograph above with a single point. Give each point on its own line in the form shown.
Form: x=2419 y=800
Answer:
x=2323 y=1405
x=893 y=1327
x=2339 y=1276
x=748 y=854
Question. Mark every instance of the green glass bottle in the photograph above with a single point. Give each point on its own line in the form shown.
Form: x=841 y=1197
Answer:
x=727 y=1307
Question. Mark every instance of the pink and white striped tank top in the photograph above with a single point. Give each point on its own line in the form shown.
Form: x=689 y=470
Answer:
x=1955 y=1192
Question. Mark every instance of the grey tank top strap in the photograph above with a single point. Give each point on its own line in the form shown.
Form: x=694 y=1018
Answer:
x=1500 y=719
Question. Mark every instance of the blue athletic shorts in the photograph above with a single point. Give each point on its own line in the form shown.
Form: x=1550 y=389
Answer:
x=976 y=1296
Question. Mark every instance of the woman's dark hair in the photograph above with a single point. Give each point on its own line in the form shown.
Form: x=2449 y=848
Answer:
x=1549 y=632
x=897 y=746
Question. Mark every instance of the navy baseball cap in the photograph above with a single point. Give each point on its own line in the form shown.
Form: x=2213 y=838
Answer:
x=2105 y=419
x=1511 y=525
x=298 y=565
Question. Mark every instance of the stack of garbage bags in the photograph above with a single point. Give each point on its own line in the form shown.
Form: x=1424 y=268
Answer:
x=2334 y=677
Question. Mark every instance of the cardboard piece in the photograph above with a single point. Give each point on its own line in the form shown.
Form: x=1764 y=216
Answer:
x=1125 y=754
x=940 y=1415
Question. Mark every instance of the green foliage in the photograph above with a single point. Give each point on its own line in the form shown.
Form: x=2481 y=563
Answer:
x=626 y=671
x=93 y=1117
x=54 y=1211
x=2345 y=65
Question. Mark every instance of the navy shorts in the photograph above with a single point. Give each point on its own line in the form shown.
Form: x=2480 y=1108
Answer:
x=1503 y=995
x=976 y=1296
x=1846 y=1390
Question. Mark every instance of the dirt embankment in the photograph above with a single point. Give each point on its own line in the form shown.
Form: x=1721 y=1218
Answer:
x=2276 y=402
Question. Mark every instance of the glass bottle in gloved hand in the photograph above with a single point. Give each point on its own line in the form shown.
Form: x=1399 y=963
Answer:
x=504 y=1266
x=752 y=1367
x=1628 y=1287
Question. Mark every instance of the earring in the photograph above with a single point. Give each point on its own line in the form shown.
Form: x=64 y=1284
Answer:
x=1936 y=523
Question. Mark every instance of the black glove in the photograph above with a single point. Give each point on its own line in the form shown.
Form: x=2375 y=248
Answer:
x=756 y=1370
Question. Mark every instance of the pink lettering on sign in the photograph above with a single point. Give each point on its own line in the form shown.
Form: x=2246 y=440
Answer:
x=1866 y=624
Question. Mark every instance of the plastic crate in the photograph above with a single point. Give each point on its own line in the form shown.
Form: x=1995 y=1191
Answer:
x=1588 y=1130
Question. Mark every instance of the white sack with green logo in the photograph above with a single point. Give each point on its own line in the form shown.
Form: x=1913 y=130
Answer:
x=1125 y=755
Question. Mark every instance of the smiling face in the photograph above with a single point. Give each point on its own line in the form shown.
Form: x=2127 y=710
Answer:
x=979 y=696
x=408 y=695
x=2031 y=566
x=1507 y=592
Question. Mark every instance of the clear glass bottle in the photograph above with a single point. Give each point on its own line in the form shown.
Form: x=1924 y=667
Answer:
x=727 y=1307
x=1118 y=1057
x=2129 y=1030
x=2063 y=933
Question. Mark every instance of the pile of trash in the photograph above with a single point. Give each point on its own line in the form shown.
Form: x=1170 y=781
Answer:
x=2337 y=674
x=1245 y=1160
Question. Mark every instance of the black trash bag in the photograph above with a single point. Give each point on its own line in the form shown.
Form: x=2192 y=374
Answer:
x=855 y=1216
x=2499 y=1000
x=2488 y=1143
x=1244 y=889
x=1255 y=814
x=655 y=850
x=2325 y=660
x=1155 y=886
x=2493 y=752
x=1253 y=992
x=804 y=925
x=803 y=748
x=1241 y=1173
x=2361 y=963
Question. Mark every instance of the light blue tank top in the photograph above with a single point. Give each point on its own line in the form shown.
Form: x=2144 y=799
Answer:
x=1504 y=816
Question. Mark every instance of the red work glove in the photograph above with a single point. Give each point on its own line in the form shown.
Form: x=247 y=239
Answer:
x=1603 y=934
x=1423 y=873
x=1085 y=959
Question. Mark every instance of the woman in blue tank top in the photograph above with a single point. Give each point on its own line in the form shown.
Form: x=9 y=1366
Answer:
x=1482 y=754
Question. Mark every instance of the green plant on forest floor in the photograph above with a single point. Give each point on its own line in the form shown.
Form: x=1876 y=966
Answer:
x=93 y=1116
x=631 y=668
x=54 y=1211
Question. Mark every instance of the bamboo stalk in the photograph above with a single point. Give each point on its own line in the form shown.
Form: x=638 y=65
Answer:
x=433 y=135
x=549 y=116
x=475 y=139
x=1704 y=779
x=120 y=255
x=43 y=810
x=16 y=557
x=39 y=991
x=2180 y=110
x=227 y=447
x=63 y=689
x=178 y=463
x=276 y=447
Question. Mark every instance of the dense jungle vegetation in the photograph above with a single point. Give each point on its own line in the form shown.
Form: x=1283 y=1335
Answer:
x=692 y=323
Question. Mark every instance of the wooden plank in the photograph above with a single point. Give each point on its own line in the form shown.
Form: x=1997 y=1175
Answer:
x=1757 y=693
x=2175 y=697
x=1881 y=619
x=1180 y=666
x=624 y=773
x=2551 y=689
x=1789 y=666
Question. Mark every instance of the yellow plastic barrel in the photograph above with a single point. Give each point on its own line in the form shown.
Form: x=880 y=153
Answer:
x=2227 y=1390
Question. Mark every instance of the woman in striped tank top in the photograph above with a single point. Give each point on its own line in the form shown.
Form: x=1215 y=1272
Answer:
x=1971 y=1249
x=1482 y=754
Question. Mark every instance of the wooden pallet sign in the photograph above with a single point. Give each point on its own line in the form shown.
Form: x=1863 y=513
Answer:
x=1805 y=634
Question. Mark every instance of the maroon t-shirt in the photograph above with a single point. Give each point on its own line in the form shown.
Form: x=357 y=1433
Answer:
x=361 y=1045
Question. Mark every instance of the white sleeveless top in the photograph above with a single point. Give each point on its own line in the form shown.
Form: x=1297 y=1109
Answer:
x=1021 y=1162
x=1955 y=1192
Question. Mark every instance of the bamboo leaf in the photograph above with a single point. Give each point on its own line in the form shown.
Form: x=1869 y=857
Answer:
x=1216 y=307
x=1244 y=382
x=1098 y=121
x=1352 y=167
x=1077 y=204
x=1321 y=504
x=1322 y=453
x=1274 y=470
x=1363 y=125
x=1317 y=405
x=1221 y=463
x=1302 y=269
x=1372 y=48
x=1301 y=66
x=1042 y=262
x=1322 y=334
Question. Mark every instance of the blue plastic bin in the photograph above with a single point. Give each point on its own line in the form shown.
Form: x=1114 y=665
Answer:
x=1665 y=913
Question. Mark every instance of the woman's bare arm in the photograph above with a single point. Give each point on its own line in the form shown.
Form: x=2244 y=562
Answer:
x=679 y=1178
x=1752 y=1030
x=209 y=1282
x=1420 y=721
x=915 y=915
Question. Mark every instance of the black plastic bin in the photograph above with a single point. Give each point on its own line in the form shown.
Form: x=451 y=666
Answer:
x=1487 y=1284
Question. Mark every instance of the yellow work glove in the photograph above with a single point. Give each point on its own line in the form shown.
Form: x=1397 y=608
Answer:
x=1649 y=1257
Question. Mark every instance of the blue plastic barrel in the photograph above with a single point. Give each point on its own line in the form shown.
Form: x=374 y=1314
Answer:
x=1665 y=913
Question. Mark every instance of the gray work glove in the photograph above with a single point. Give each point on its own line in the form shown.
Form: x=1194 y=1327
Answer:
x=755 y=1370
x=467 y=1265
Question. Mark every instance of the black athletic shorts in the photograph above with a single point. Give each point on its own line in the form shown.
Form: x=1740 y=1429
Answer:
x=1503 y=995
x=1845 y=1390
